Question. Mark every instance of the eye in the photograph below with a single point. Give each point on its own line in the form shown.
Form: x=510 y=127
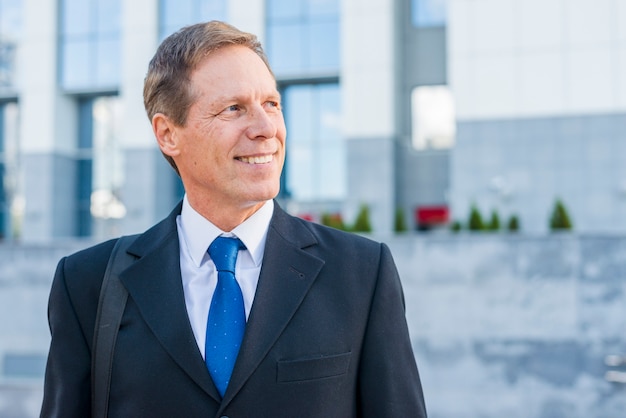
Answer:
x=233 y=108
x=272 y=104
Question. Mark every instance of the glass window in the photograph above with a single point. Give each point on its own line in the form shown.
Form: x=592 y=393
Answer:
x=109 y=17
x=90 y=44
x=174 y=14
x=109 y=61
x=433 y=117
x=323 y=8
x=303 y=36
x=75 y=17
x=75 y=67
x=324 y=46
x=10 y=34
x=316 y=156
x=285 y=48
x=100 y=167
x=428 y=12
x=284 y=9
x=11 y=198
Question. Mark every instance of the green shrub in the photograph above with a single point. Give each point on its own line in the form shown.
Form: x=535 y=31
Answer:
x=513 y=224
x=362 y=223
x=333 y=220
x=456 y=226
x=399 y=221
x=475 y=222
x=494 y=222
x=560 y=220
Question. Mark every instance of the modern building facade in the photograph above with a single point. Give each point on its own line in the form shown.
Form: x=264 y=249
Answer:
x=540 y=92
x=79 y=157
x=393 y=104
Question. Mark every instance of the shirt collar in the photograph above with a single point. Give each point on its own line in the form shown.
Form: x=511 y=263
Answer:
x=199 y=233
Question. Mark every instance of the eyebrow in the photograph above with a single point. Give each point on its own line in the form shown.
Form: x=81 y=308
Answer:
x=242 y=98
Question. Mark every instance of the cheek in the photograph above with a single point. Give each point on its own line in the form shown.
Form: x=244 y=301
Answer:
x=281 y=131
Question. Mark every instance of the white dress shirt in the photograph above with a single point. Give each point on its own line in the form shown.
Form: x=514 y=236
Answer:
x=195 y=234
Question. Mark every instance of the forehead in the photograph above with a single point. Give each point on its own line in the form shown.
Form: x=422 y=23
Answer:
x=230 y=66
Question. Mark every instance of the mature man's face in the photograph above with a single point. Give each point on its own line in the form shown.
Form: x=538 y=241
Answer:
x=232 y=147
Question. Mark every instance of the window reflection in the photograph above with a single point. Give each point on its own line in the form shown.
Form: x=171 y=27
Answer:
x=10 y=33
x=11 y=197
x=303 y=36
x=433 y=117
x=316 y=151
x=100 y=167
x=428 y=12
x=174 y=14
x=90 y=44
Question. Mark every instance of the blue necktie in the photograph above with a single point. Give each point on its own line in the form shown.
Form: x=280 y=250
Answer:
x=227 y=317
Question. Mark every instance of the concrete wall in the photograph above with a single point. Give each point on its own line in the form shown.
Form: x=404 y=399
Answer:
x=522 y=165
x=516 y=326
x=502 y=326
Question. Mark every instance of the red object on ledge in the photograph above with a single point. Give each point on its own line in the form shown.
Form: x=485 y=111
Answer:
x=432 y=215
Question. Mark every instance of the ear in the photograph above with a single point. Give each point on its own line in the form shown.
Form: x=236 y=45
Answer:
x=165 y=133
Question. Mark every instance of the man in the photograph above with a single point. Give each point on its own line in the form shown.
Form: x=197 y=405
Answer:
x=323 y=312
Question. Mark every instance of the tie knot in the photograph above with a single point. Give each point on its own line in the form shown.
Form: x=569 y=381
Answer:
x=223 y=252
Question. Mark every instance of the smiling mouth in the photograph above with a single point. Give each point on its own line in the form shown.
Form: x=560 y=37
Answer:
x=263 y=159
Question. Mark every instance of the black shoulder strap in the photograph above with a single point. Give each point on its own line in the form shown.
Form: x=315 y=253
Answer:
x=113 y=296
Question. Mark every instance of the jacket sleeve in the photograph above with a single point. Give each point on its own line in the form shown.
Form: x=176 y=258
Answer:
x=67 y=385
x=389 y=383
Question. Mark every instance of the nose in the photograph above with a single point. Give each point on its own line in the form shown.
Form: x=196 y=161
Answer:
x=262 y=125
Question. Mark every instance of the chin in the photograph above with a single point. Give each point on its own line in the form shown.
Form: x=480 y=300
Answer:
x=262 y=197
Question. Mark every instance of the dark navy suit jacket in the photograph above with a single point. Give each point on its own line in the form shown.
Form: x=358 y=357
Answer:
x=326 y=336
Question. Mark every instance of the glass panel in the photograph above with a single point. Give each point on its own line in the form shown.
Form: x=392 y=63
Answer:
x=300 y=174
x=174 y=15
x=298 y=114
x=303 y=36
x=8 y=61
x=321 y=8
x=286 y=48
x=106 y=206
x=330 y=113
x=212 y=10
x=10 y=32
x=76 y=73
x=284 y=9
x=76 y=17
x=90 y=46
x=324 y=46
x=178 y=13
x=108 y=62
x=109 y=16
x=331 y=171
x=83 y=198
x=107 y=152
x=433 y=117
x=315 y=150
x=11 y=18
x=428 y=12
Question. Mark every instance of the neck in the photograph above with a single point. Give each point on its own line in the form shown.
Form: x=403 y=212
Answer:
x=225 y=217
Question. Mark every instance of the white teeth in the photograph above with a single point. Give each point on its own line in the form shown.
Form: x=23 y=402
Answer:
x=257 y=160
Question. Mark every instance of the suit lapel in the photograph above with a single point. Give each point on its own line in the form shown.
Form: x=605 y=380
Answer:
x=281 y=289
x=154 y=284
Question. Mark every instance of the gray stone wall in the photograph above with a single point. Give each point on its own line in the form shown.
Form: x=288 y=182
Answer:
x=516 y=326
x=521 y=166
x=502 y=326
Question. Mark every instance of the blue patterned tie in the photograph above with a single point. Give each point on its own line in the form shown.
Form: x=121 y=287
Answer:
x=227 y=317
